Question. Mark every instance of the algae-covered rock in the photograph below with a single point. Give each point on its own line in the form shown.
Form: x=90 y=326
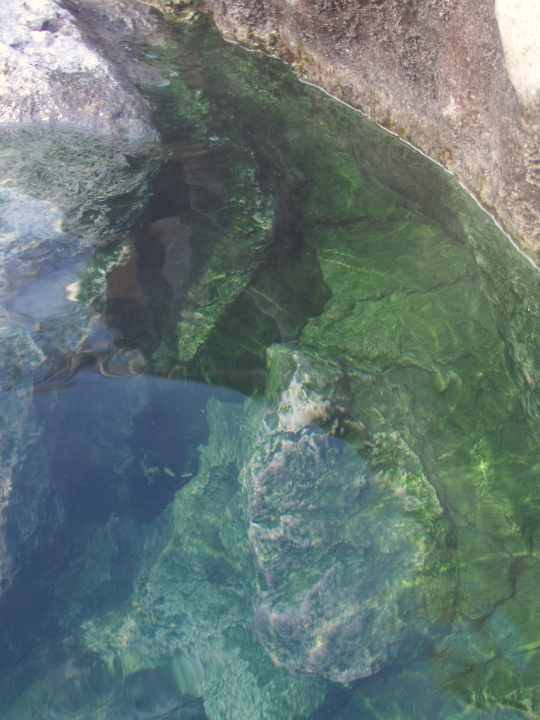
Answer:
x=81 y=685
x=341 y=550
x=96 y=187
x=415 y=692
x=245 y=221
x=379 y=503
x=186 y=617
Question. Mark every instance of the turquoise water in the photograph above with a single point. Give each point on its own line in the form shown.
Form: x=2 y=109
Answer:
x=271 y=420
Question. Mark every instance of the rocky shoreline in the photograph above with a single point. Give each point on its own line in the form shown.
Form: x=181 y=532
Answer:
x=65 y=65
x=457 y=79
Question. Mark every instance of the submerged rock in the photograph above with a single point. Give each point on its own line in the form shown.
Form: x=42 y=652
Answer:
x=51 y=209
x=77 y=156
x=30 y=514
x=184 y=631
x=245 y=222
x=341 y=551
x=401 y=374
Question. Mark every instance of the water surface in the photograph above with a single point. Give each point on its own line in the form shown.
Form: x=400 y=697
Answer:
x=286 y=440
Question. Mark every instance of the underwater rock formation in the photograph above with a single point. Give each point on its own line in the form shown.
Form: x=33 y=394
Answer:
x=76 y=142
x=245 y=222
x=182 y=634
x=341 y=551
x=58 y=197
x=369 y=514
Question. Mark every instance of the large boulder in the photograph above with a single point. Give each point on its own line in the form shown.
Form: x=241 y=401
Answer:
x=341 y=551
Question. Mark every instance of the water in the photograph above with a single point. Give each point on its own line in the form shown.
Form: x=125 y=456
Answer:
x=270 y=419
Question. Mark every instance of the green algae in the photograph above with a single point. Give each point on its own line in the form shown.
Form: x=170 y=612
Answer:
x=336 y=239
x=432 y=303
x=338 y=545
x=99 y=186
x=188 y=611
x=245 y=223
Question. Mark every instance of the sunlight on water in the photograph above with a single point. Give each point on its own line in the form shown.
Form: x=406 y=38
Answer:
x=270 y=439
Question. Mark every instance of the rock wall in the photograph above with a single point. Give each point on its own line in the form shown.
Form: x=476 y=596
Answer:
x=458 y=78
x=60 y=66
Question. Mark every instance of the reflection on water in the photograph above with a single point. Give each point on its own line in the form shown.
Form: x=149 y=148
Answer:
x=269 y=450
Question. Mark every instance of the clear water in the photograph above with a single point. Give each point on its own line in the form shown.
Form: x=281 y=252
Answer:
x=281 y=457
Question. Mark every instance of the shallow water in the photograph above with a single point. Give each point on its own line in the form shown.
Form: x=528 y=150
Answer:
x=280 y=459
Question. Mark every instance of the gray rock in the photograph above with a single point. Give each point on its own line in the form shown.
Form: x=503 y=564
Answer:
x=54 y=69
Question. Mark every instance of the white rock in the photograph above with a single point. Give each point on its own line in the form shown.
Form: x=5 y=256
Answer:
x=519 y=25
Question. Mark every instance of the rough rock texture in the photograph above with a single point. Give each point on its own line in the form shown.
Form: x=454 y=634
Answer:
x=55 y=67
x=59 y=195
x=341 y=551
x=85 y=186
x=436 y=72
x=27 y=499
x=187 y=615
